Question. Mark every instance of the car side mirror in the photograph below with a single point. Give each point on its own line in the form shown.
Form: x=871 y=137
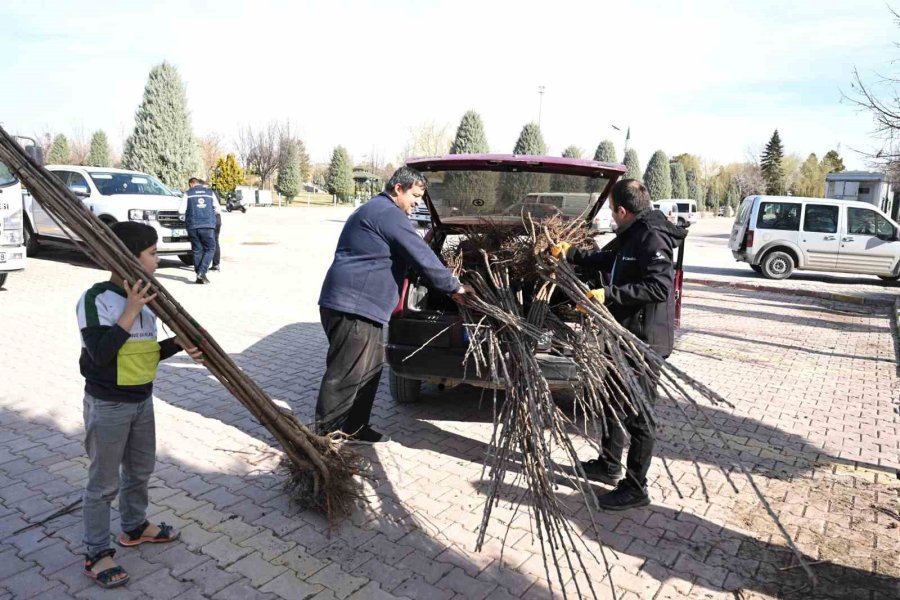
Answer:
x=80 y=190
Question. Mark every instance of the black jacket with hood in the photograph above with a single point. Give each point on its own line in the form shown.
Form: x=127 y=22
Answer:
x=637 y=273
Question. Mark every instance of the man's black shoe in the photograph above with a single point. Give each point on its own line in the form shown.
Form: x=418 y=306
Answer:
x=626 y=495
x=601 y=470
x=366 y=435
x=214 y=268
x=200 y=281
x=204 y=278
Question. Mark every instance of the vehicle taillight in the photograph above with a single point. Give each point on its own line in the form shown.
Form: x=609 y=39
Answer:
x=748 y=239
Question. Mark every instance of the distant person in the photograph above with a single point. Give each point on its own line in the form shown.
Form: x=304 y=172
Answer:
x=217 y=257
x=198 y=209
x=119 y=357
x=376 y=249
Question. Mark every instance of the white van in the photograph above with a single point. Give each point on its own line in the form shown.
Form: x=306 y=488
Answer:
x=668 y=208
x=777 y=234
x=687 y=211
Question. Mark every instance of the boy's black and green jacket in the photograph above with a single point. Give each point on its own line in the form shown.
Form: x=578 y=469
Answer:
x=118 y=365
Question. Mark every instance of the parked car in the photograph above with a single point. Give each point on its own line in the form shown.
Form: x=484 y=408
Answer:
x=113 y=195
x=668 y=208
x=426 y=337
x=421 y=215
x=777 y=234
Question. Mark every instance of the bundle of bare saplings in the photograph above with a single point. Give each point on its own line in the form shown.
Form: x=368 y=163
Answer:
x=529 y=304
x=323 y=471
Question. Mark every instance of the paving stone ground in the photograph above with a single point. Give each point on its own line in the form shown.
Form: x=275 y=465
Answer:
x=814 y=384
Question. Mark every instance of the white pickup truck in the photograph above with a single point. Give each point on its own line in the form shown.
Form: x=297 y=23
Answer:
x=113 y=195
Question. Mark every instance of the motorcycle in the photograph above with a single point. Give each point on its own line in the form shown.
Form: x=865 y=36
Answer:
x=233 y=202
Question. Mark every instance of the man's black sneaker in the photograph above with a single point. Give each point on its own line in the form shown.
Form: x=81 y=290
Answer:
x=626 y=495
x=367 y=435
x=204 y=278
x=200 y=281
x=601 y=470
x=214 y=268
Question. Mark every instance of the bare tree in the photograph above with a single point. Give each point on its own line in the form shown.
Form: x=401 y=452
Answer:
x=79 y=147
x=427 y=139
x=211 y=150
x=258 y=150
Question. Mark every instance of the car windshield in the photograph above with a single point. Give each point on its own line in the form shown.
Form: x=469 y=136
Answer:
x=111 y=184
x=483 y=193
x=6 y=176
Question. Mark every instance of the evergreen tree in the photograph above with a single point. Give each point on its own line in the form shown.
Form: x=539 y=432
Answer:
x=733 y=197
x=462 y=187
x=832 y=162
x=59 y=151
x=515 y=186
x=632 y=164
x=712 y=198
x=771 y=164
x=606 y=152
x=470 y=137
x=289 y=180
x=339 y=180
x=303 y=161
x=693 y=186
x=679 y=180
x=568 y=183
x=658 y=178
x=226 y=175
x=162 y=143
x=98 y=156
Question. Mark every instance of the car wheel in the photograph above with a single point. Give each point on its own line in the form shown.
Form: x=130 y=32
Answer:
x=756 y=268
x=187 y=259
x=403 y=390
x=32 y=247
x=243 y=209
x=228 y=209
x=682 y=222
x=3 y=278
x=777 y=265
x=889 y=277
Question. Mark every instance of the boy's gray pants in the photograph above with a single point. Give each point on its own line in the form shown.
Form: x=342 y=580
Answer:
x=117 y=434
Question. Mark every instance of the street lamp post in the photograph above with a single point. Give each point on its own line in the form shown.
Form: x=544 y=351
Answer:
x=541 y=90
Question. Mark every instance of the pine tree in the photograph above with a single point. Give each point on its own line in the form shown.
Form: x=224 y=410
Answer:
x=694 y=190
x=632 y=164
x=162 y=143
x=606 y=152
x=515 y=186
x=658 y=178
x=470 y=137
x=832 y=162
x=465 y=186
x=303 y=161
x=568 y=183
x=98 y=155
x=772 y=169
x=712 y=198
x=679 y=180
x=339 y=180
x=289 y=179
x=59 y=151
x=226 y=175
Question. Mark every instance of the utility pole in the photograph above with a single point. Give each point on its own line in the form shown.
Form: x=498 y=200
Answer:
x=541 y=90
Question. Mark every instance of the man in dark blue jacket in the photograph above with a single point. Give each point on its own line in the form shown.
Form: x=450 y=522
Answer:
x=199 y=210
x=374 y=253
x=637 y=276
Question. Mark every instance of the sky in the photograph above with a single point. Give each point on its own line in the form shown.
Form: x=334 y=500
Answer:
x=712 y=78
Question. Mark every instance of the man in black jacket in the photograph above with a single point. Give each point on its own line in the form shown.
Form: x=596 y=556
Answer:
x=637 y=277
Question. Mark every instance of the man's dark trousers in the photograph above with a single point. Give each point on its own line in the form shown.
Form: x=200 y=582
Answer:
x=352 y=371
x=218 y=255
x=203 y=245
x=642 y=433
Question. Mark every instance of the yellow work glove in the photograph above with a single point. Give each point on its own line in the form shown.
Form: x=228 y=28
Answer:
x=562 y=248
x=599 y=295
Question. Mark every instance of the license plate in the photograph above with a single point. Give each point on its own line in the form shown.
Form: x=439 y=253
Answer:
x=2 y=257
x=179 y=233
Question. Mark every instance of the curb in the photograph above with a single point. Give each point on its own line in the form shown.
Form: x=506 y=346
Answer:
x=845 y=298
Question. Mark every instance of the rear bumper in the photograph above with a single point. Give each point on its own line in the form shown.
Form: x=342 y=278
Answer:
x=12 y=258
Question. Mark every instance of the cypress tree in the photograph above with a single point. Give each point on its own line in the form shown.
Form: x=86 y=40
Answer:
x=289 y=178
x=632 y=164
x=339 y=180
x=679 y=180
x=59 y=151
x=658 y=178
x=515 y=186
x=531 y=141
x=464 y=187
x=567 y=183
x=772 y=169
x=98 y=156
x=712 y=198
x=694 y=190
x=162 y=143
x=606 y=152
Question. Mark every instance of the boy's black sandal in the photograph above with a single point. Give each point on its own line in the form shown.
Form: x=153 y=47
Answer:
x=136 y=536
x=107 y=577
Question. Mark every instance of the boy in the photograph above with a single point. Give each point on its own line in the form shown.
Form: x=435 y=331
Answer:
x=119 y=356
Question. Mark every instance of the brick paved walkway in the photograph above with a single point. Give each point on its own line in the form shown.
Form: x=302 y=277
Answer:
x=814 y=382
